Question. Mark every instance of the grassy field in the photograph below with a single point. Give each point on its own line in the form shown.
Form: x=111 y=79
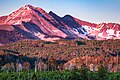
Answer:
x=59 y=75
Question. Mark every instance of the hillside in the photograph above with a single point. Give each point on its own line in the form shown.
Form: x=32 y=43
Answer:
x=60 y=47
x=62 y=51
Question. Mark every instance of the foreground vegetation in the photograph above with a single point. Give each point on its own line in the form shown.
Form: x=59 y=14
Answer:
x=83 y=74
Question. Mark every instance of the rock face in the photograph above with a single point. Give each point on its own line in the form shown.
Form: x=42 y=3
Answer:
x=30 y=22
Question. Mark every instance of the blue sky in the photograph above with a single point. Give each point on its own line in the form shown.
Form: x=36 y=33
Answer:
x=96 y=11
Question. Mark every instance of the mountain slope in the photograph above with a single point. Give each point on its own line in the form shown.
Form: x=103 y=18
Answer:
x=30 y=22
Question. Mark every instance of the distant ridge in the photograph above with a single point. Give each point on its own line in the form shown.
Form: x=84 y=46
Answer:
x=29 y=22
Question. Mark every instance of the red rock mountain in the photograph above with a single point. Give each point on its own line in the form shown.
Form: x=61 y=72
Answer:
x=30 y=22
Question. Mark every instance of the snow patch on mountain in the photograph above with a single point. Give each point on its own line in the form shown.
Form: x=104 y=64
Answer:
x=39 y=35
x=80 y=30
x=110 y=32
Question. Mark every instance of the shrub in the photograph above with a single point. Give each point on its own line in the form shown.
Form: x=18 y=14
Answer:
x=102 y=72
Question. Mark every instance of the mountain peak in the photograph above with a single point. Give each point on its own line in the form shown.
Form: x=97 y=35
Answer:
x=54 y=15
x=29 y=6
x=51 y=12
x=22 y=14
x=67 y=16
